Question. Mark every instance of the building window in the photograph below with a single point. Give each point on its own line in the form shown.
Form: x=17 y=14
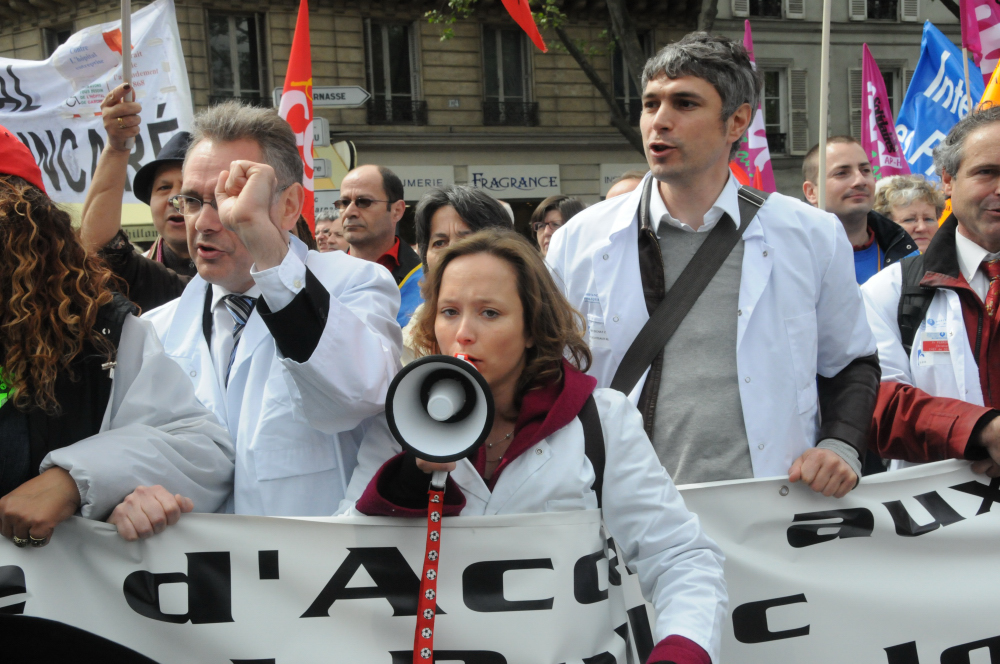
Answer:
x=774 y=103
x=54 y=37
x=506 y=83
x=392 y=75
x=883 y=9
x=628 y=98
x=235 y=58
x=765 y=8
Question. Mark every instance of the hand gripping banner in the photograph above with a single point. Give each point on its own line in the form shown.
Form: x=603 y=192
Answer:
x=901 y=571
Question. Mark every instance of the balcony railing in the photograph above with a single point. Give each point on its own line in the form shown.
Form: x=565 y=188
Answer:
x=631 y=109
x=399 y=111
x=248 y=98
x=510 y=113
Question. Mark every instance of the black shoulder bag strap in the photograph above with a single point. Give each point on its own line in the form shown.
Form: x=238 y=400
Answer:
x=593 y=443
x=914 y=300
x=689 y=286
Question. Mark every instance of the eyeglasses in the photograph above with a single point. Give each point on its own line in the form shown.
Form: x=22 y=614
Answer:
x=362 y=202
x=190 y=206
x=539 y=226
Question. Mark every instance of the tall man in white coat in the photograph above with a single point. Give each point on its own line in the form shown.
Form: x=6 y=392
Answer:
x=773 y=370
x=292 y=349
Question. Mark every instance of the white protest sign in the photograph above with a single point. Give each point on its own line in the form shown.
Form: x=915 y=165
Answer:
x=54 y=105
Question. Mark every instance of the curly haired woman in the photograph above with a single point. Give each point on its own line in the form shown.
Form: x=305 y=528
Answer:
x=90 y=407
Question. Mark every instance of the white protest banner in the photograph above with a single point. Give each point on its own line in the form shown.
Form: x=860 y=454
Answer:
x=900 y=571
x=216 y=588
x=54 y=105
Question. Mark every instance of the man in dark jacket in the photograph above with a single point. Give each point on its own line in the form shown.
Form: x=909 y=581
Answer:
x=850 y=193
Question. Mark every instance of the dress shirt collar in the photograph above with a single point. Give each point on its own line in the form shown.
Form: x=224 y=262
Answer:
x=970 y=256
x=219 y=292
x=727 y=202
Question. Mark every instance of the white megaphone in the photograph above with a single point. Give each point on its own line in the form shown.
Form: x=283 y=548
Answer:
x=440 y=408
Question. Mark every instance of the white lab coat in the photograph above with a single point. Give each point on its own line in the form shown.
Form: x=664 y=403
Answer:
x=679 y=566
x=154 y=432
x=953 y=374
x=800 y=311
x=296 y=426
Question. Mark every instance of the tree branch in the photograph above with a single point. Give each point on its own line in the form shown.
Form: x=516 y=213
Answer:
x=627 y=40
x=618 y=118
x=952 y=6
x=709 y=10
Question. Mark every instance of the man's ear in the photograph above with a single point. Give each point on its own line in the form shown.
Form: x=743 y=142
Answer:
x=947 y=182
x=289 y=206
x=739 y=122
x=397 y=210
x=811 y=192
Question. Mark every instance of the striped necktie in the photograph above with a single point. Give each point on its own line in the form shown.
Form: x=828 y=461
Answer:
x=240 y=307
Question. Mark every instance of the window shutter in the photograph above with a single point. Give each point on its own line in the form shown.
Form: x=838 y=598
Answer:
x=799 y=125
x=741 y=8
x=413 y=33
x=909 y=10
x=795 y=9
x=859 y=9
x=907 y=77
x=854 y=91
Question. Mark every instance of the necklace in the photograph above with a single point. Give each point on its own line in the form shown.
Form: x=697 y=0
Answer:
x=490 y=446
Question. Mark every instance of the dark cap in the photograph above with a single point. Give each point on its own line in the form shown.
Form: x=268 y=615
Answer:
x=172 y=153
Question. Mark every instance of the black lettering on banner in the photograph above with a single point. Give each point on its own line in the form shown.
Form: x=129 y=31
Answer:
x=614 y=576
x=135 y=160
x=394 y=581
x=603 y=658
x=209 y=585
x=622 y=631
x=157 y=129
x=857 y=522
x=940 y=511
x=96 y=148
x=6 y=98
x=960 y=654
x=12 y=583
x=904 y=653
x=482 y=586
x=750 y=621
x=990 y=494
x=44 y=158
x=28 y=106
x=253 y=661
x=267 y=565
x=69 y=137
x=586 y=585
x=466 y=656
x=641 y=632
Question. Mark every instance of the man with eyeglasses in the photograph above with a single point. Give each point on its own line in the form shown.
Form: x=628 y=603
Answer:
x=292 y=350
x=371 y=204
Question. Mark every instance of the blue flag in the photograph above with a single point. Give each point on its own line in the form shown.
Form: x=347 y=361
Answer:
x=935 y=100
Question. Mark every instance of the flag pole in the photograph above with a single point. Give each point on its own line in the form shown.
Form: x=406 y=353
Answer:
x=968 y=88
x=127 y=55
x=824 y=103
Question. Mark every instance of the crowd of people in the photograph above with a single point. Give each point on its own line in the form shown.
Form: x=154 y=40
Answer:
x=712 y=331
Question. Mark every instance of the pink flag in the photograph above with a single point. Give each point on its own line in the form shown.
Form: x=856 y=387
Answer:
x=752 y=163
x=878 y=133
x=981 y=34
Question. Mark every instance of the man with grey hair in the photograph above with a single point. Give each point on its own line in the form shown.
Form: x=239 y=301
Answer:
x=773 y=370
x=936 y=322
x=293 y=350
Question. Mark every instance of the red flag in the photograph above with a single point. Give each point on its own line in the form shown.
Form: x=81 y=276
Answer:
x=521 y=13
x=297 y=107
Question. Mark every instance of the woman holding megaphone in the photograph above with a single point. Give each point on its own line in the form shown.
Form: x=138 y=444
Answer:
x=491 y=299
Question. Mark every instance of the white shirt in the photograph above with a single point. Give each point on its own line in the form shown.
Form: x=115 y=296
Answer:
x=727 y=202
x=222 y=329
x=970 y=261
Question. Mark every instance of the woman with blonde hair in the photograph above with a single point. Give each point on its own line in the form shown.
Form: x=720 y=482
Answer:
x=912 y=202
x=90 y=406
x=491 y=298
